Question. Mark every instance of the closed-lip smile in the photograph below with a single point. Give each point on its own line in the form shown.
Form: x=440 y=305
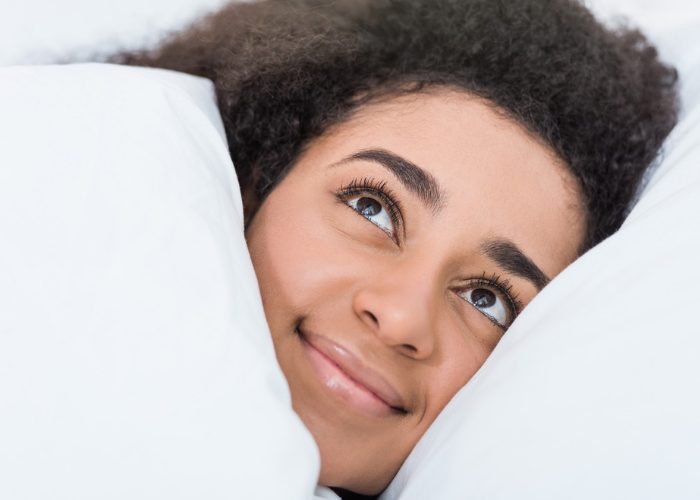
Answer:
x=348 y=377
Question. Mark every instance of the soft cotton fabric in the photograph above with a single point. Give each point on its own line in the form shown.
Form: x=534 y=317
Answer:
x=135 y=361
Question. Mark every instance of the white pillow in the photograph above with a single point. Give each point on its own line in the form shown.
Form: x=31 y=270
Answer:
x=593 y=393
x=135 y=361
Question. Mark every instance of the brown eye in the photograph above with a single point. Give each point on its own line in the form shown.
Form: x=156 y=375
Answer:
x=368 y=206
x=481 y=297
x=488 y=302
x=373 y=201
x=374 y=211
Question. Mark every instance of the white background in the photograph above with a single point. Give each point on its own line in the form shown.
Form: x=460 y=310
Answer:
x=43 y=31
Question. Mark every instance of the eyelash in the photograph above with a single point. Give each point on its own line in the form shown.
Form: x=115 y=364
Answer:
x=368 y=185
x=504 y=287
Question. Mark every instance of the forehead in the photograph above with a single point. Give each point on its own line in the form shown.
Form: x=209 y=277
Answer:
x=496 y=179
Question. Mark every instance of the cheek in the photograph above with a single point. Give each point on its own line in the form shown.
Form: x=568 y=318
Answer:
x=300 y=262
x=460 y=358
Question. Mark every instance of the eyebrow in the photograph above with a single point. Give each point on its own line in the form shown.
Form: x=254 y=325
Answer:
x=414 y=178
x=508 y=256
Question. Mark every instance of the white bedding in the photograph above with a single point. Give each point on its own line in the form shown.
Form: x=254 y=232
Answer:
x=592 y=394
x=135 y=360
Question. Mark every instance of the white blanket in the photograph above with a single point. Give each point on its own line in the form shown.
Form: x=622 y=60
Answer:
x=135 y=360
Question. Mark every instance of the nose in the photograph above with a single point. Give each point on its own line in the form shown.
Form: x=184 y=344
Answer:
x=397 y=306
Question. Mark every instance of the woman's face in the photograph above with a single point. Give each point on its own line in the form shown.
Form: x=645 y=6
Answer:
x=391 y=260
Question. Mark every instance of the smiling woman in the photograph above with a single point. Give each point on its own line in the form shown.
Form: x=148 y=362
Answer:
x=414 y=173
x=413 y=234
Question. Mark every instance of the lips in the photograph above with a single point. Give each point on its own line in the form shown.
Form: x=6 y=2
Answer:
x=345 y=375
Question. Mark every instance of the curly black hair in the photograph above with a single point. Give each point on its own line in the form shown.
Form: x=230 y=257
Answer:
x=287 y=70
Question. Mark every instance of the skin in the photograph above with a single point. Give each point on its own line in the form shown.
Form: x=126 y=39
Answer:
x=396 y=304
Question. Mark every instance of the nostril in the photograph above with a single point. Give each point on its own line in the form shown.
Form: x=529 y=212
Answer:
x=412 y=350
x=372 y=318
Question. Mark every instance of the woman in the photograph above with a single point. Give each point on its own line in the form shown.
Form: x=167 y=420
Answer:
x=414 y=172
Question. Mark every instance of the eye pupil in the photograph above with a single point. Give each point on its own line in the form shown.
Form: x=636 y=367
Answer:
x=368 y=206
x=481 y=297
